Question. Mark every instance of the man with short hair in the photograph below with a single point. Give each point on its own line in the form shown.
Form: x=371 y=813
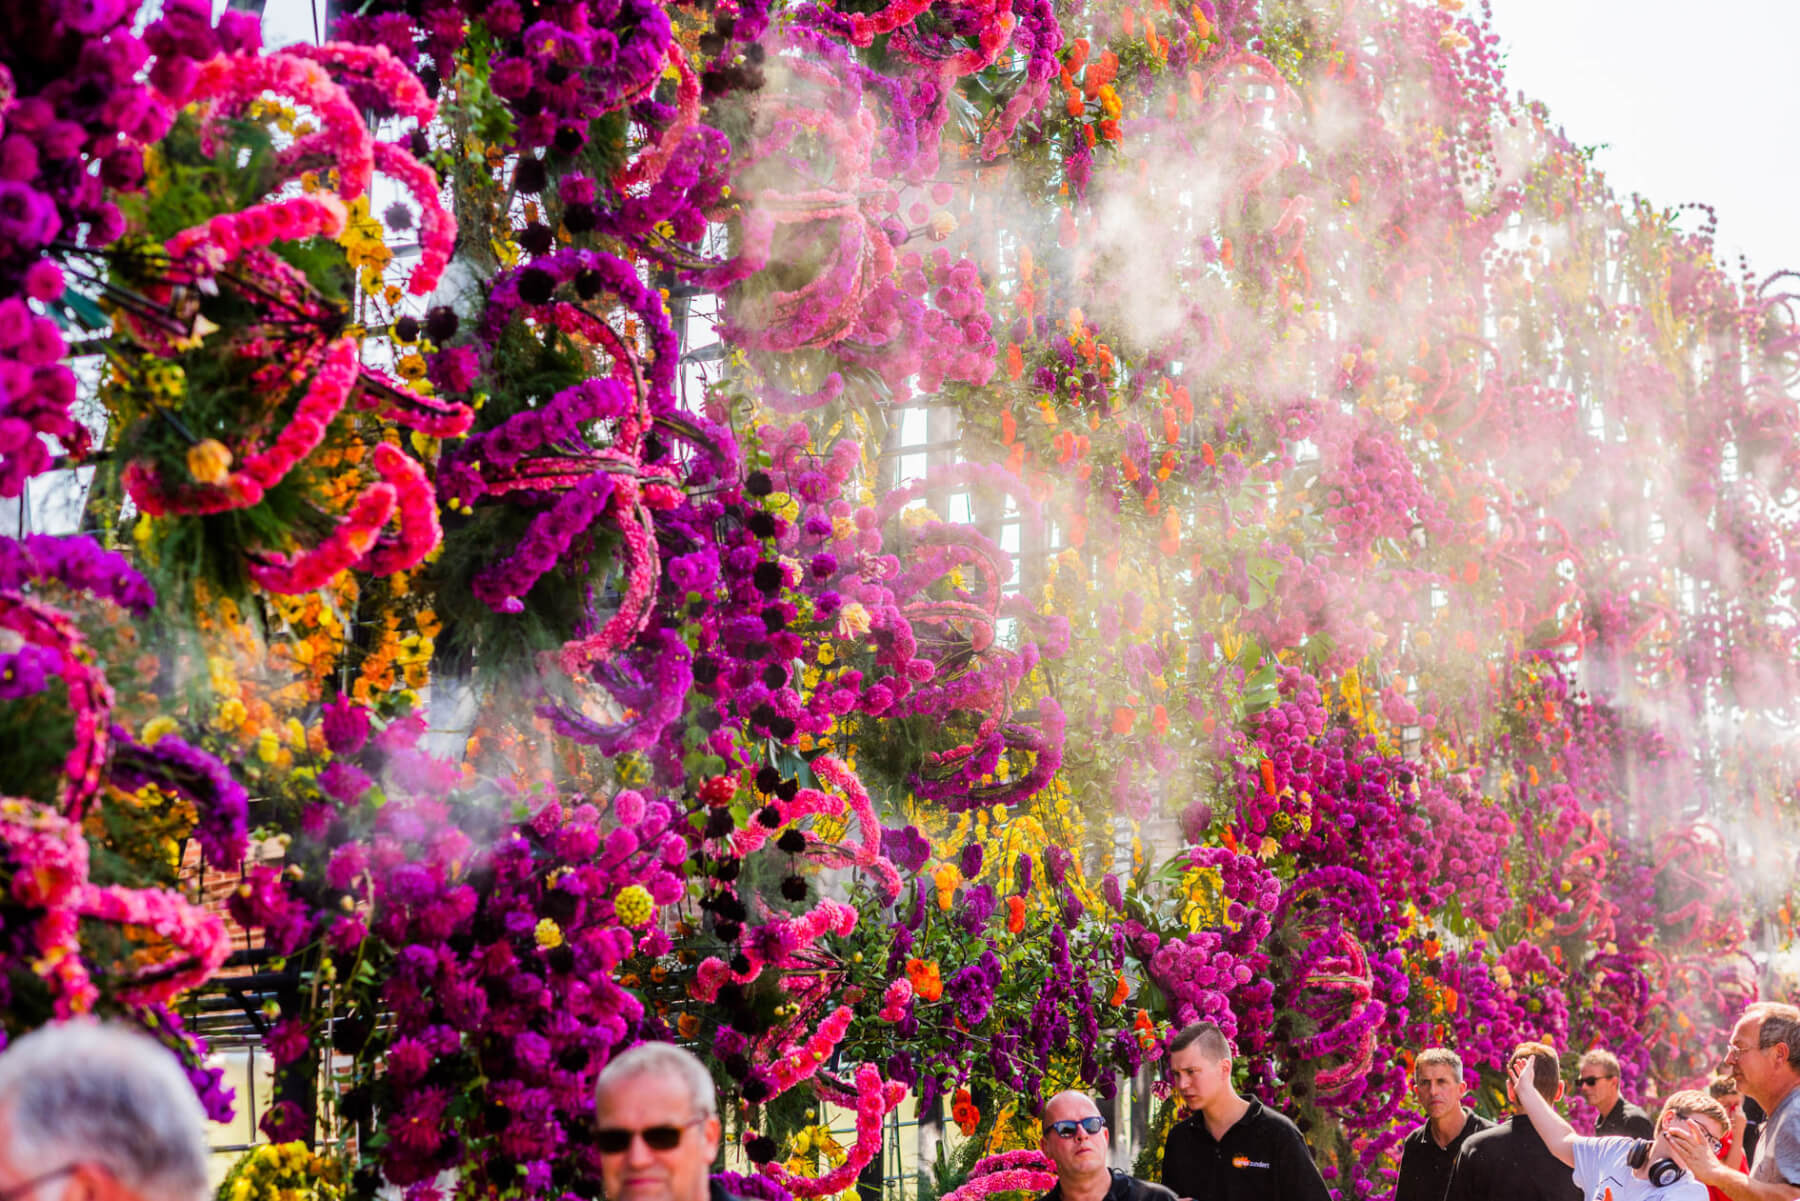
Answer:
x=1764 y=1059
x=1228 y=1148
x=657 y=1128
x=1074 y=1139
x=1509 y=1162
x=1429 y=1153
x=1617 y=1167
x=1598 y=1081
x=96 y=1112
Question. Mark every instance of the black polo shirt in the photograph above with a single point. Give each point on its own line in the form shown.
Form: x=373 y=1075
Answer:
x=1261 y=1158
x=1509 y=1162
x=1627 y=1120
x=1425 y=1167
x=1124 y=1188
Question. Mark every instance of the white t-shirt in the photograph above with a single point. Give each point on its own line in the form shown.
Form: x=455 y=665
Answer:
x=1602 y=1174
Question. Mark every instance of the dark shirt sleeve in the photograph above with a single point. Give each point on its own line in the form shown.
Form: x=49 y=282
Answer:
x=1300 y=1179
x=1639 y=1125
x=1410 y=1185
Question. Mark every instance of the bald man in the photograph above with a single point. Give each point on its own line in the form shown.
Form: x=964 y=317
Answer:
x=1075 y=1139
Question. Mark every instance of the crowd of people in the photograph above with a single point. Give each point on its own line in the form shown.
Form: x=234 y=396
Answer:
x=91 y=1112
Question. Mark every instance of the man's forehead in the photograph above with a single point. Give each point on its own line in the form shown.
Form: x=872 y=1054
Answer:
x=651 y=1094
x=1070 y=1105
x=1435 y=1072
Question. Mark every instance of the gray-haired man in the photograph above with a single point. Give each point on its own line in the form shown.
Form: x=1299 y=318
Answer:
x=93 y=1112
x=1429 y=1154
x=657 y=1126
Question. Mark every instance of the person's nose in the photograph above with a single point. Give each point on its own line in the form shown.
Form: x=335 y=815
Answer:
x=638 y=1154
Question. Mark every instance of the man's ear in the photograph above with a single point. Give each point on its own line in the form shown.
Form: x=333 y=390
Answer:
x=1559 y=1090
x=89 y=1183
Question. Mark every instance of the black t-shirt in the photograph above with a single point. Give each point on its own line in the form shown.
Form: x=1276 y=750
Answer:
x=1261 y=1158
x=1425 y=1167
x=1625 y=1120
x=1124 y=1188
x=1509 y=1162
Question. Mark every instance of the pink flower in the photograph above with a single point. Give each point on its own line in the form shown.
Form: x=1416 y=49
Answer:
x=43 y=280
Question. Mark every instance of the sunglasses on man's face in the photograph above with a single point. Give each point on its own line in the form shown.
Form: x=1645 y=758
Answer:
x=1591 y=1081
x=1068 y=1126
x=613 y=1140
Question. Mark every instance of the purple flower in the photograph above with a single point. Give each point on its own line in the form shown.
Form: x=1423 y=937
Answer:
x=407 y=1061
x=346 y=726
x=343 y=781
x=288 y=1041
x=27 y=217
x=285 y=1122
x=905 y=846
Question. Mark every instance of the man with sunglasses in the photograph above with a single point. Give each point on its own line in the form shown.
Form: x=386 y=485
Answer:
x=1617 y=1168
x=1229 y=1148
x=92 y=1112
x=1764 y=1059
x=1075 y=1140
x=1598 y=1082
x=657 y=1129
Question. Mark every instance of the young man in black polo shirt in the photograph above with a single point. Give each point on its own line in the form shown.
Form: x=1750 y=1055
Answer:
x=1229 y=1148
x=1075 y=1141
x=1509 y=1162
x=1429 y=1153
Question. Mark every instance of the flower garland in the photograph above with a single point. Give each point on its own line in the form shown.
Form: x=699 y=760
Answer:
x=172 y=764
x=1008 y=1172
x=872 y=1097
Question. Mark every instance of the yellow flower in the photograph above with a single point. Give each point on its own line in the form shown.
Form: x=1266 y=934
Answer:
x=549 y=935
x=633 y=905
x=209 y=461
x=156 y=727
x=411 y=367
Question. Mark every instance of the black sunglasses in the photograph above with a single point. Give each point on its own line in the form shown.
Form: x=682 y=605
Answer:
x=613 y=1140
x=1591 y=1081
x=1066 y=1128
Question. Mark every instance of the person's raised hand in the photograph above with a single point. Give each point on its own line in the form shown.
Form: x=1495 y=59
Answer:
x=1695 y=1154
x=1524 y=1071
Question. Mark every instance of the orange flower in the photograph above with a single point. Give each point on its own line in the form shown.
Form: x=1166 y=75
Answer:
x=1267 y=767
x=1124 y=716
x=1015 y=914
x=946 y=878
x=1121 y=990
x=927 y=984
x=964 y=1112
x=1015 y=362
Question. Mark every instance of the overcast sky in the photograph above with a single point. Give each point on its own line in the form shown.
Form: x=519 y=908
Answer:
x=1691 y=101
